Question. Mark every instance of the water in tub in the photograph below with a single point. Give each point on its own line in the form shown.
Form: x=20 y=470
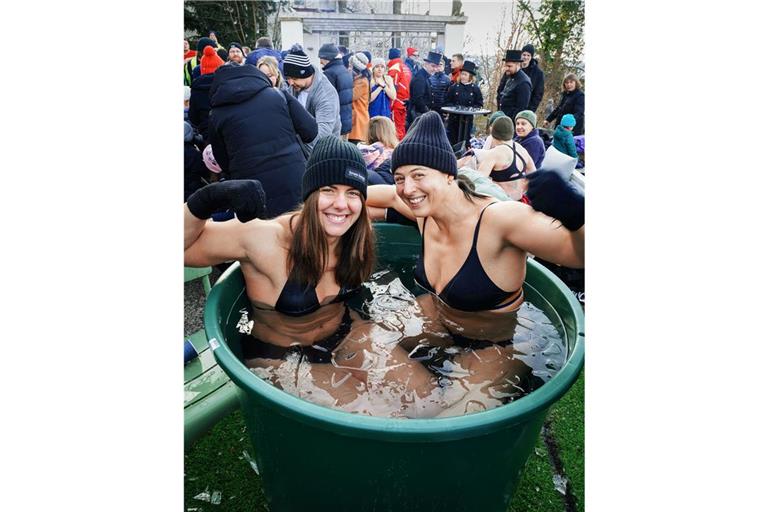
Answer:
x=409 y=356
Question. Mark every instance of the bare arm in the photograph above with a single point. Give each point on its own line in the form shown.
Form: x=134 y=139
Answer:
x=541 y=235
x=384 y=196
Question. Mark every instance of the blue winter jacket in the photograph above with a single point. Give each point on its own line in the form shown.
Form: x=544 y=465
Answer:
x=439 y=83
x=341 y=79
x=534 y=145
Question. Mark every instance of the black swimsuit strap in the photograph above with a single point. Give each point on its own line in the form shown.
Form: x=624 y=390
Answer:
x=477 y=227
x=515 y=154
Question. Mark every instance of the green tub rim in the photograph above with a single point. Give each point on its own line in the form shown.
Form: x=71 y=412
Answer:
x=416 y=430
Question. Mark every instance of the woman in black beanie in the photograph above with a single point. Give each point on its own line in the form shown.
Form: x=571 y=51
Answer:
x=474 y=249
x=298 y=269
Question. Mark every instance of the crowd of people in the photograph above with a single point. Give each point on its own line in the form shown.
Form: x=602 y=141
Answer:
x=305 y=157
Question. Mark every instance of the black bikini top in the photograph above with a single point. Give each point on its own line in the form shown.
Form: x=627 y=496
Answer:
x=299 y=299
x=510 y=173
x=470 y=289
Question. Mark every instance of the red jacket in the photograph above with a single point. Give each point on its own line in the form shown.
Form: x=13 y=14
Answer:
x=401 y=76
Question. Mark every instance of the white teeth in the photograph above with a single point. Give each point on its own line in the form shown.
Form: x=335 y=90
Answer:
x=417 y=200
x=337 y=218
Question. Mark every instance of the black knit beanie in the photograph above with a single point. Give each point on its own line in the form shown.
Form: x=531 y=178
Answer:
x=426 y=144
x=296 y=65
x=528 y=48
x=334 y=162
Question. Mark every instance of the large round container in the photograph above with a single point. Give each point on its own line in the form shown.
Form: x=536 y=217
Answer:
x=312 y=458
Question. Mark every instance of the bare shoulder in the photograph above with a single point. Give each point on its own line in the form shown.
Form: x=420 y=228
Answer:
x=504 y=214
x=264 y=236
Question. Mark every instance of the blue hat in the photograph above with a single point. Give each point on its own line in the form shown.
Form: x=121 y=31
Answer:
x=367 y=54
x=394 y=53
x=568 y=120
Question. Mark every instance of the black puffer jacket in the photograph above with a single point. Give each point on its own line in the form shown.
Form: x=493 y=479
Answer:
x=536 y=75
x=199 y=103
x=341 y=79
x=570 y=103
x=253 y=129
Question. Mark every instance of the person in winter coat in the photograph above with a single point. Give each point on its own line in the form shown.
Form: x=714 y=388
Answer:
x=457 y=62
x=361 y=94
x=439 y=83
x=315 y=93
x=194 y=168
x=421 y=91
x=192 y=65
x=514 y=94
x=412 y=60
x=235 y=57
x=528 y=136
x=401 y=77
x=199 y=103
x=263 y=48
x=341 y=79
x=534 y=72
x=253 y=132
x=383 y=91
x=563 y=137
x=571 y=102
x=465 y=93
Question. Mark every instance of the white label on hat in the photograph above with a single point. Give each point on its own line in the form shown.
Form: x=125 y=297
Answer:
x=355 y=175
x=213 y=343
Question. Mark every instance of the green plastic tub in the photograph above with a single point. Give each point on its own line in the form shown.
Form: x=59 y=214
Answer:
x=314 y=458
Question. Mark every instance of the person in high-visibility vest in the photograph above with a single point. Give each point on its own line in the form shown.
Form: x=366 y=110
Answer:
x=191 y=64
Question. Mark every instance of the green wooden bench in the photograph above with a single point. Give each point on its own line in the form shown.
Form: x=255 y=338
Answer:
x=209 y=394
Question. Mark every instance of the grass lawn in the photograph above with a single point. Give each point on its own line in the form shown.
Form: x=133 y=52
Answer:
x=217 y=464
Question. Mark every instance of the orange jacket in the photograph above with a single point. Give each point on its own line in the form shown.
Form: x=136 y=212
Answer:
x=361 y=96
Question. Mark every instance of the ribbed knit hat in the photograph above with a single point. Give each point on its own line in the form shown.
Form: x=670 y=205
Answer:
x=503 y=128
x=494 y=117
x=394 y=53
x=426 y=144
x=410 y=51
x=328 y=51
x=359 y=61
x=528 y=115
x=334 y=162
x=378 y=61
x=568 y=120
x=210 y=61
x=235 y=45
x=296 y=65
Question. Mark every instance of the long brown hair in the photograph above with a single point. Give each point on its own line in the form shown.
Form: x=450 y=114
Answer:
x=572 y=76
x=468 y=188
x=308 y=253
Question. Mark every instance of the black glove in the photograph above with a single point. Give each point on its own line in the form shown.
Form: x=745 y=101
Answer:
x=553 y=196
x=245 y=197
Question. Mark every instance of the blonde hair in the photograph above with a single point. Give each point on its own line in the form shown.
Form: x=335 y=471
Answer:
x=271 y=63
x=382 y=129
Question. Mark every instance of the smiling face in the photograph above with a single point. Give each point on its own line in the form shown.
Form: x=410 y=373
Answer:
x=236 y=55
x=421 y=188
x=526 y=59
x=523 y=127
x=339 y=207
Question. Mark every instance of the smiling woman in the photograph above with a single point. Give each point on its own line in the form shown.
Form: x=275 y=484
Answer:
x=298 y=269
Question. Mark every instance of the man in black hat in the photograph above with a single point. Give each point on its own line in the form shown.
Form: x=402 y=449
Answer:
x=421 y=91
x=514 y=93
x=236 y=57
x=534 y=72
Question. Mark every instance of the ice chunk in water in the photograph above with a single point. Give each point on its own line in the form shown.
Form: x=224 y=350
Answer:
x=251 y=462
x=204 y=496
x=216 y=498
x=560 y=483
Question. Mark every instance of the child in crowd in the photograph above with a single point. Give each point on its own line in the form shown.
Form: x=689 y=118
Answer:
x=465 y=93
x=563 y=137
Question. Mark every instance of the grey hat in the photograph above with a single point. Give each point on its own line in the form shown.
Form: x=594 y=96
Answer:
x=359 y=61
x=328 y=51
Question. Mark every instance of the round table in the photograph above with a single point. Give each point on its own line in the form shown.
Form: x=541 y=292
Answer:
x=466 y=119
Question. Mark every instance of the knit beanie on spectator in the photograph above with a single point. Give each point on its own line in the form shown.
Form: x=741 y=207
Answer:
x=378 y=61
x=426 y=143
x=410 y=51
x=359 y=61
x=203 y=42
x=235 y=45
x=495 y=116
x=394 y=53
x=296 y=65
x=328 y=51
x=210 y=61
x=568 y=120
x=334 y=162
x=503 y=129
x=368 y=55
x=528 y=48
x=528 y=115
